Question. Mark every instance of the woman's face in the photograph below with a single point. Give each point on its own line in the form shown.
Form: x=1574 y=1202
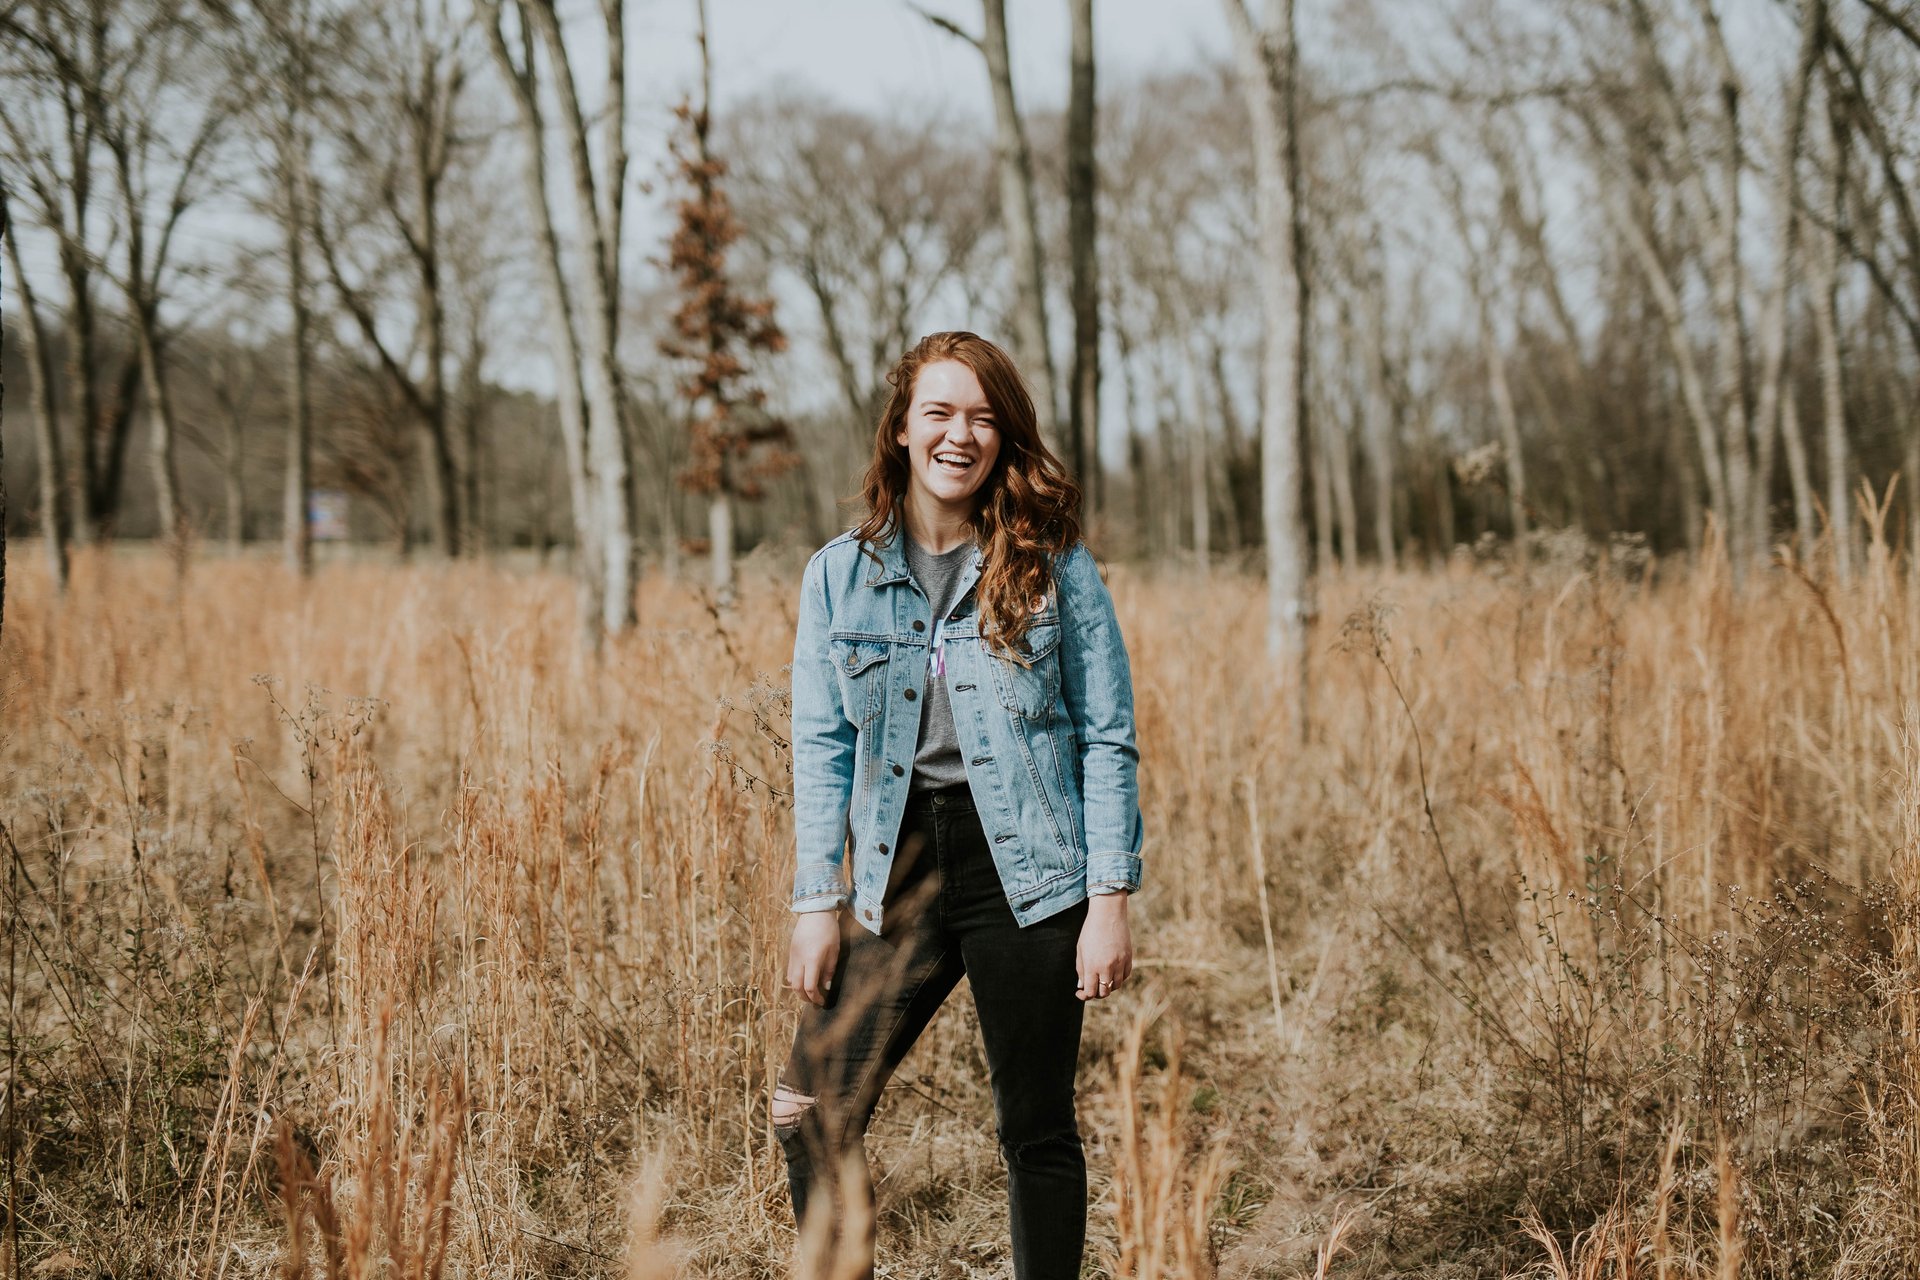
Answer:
x=950 y=437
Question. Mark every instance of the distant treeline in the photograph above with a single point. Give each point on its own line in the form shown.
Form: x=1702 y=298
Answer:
x=1619 y=267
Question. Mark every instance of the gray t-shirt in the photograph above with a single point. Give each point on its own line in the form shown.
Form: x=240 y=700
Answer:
x=937 y=761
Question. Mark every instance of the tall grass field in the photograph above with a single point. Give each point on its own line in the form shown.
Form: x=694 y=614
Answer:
x=373 y=926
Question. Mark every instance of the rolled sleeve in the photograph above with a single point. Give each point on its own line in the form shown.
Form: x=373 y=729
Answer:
x=823 y=755
x=1097 y=686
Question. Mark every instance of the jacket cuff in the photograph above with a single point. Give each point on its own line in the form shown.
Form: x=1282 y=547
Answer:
x=820 y=902
x=819 y=882
x=1114 y=869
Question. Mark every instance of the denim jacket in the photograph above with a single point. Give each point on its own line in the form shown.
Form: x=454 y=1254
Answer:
x=1048 y=740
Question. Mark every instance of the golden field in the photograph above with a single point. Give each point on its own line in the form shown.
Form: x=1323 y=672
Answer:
x=372 y=925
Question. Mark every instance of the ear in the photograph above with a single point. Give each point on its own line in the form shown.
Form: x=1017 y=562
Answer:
x=900 y=437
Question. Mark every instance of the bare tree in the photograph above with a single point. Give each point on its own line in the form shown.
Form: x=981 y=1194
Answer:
x=1824 y=289
x=1378 y=432
x=51 y=124
x=1083 y=394
x=54 y=526
x=231 y=371
x=585 y=348
x=292 y=151
x=1876 y=219
x=273 y=50
x=1768 y=422
x=165 y=81
x=1482 y=275
x=1013 y=160
x=1267 y=56
x=409 y=76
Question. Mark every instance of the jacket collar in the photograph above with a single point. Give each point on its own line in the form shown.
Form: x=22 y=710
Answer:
x=891 y=550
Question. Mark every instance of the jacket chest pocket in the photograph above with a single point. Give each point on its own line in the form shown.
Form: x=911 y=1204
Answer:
x=1029 y=681
x=862 y=668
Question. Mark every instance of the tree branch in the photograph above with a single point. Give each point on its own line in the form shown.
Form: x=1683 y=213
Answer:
x=1893 y=19
x=949 y=26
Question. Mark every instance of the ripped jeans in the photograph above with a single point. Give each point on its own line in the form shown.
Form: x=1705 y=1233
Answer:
x=947 y=916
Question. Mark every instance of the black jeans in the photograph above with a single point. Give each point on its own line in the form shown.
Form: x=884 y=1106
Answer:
x=947 y=915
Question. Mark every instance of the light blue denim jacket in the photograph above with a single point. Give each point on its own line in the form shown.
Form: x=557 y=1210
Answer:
x=1048 y=746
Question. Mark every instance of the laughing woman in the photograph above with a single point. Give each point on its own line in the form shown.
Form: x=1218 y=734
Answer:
x=963 y=725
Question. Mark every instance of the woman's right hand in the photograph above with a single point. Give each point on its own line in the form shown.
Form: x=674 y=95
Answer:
x=813 y=954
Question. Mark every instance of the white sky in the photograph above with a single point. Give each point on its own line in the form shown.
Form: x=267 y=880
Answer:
x=879 y=53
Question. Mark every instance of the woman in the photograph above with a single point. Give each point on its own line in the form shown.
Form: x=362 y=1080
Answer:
x=963 y=723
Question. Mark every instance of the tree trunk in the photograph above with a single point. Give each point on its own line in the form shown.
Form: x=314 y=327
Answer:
x=1716 y=227
x=1136 y=459
x=1833 y=408
x=443 y=475
x=296 y=532
x=153 y=378
x=1167 y=442
x=1241 y=482
x=1730 y=361
x=472 y=417
x=1692 y=522
x=1444 y=518
x=1320 y=480
x=1773 y=318
x=720 y=543
x=606 y=424
x=1794 y=437
x=1693 y=394
x=1500 y=390
x=569 y=393
x=233 y=487
x=1014 y=161
x=1340 y=455
x=1199 y=451
x=1082 y=236
x=46 y=421
x=1268 y=64
x=92 y=503
x=1377 y=429
x=92 y=509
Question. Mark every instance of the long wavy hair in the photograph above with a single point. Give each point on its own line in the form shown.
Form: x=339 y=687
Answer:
x=1027 y=510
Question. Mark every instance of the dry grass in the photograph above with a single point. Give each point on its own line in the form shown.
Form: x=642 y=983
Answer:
x=375 y=914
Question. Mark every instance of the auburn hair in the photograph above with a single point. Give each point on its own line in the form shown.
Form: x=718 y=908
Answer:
x=1026 y=512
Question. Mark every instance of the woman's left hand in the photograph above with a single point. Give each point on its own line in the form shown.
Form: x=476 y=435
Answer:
x=1104 y=957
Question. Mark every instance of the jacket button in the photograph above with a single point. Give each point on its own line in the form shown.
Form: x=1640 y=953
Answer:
x=866 y=913
x=911 y=695
x=919 y=625
x=883 y=846
x=897 y=771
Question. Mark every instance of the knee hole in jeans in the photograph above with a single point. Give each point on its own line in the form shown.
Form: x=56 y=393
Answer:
x=1038 y=1149
x=790 y=1106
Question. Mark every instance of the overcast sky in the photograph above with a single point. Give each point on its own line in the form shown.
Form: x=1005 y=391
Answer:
x=877 y=53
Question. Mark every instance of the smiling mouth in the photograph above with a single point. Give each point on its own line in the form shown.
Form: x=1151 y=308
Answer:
x=953 y=463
